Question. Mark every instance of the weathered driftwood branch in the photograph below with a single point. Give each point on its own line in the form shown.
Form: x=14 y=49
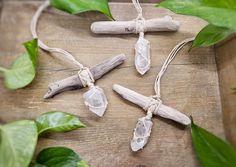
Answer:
x=142 y=101
x=74 y=81
x=126 y=27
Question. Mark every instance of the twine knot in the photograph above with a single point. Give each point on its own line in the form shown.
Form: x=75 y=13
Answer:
x=153 y=105
x=140 y=25
x=86 y=77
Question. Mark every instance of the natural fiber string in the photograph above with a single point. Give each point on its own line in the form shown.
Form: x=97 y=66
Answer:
x=152 y=106
x=138 y=8
x=155 y=101
x=140 y=20
x=87 y=77
x=171 y=56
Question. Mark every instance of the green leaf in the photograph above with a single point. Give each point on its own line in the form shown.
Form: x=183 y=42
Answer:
x=23 y=70
x=211 y=35
x=17 y=143
x=82 y=163
x=59 y=157
x=211 y=150
x=79 y=6
x=57 y=122
x=220 y=13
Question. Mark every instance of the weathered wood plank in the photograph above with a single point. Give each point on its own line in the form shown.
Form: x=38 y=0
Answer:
x=226 y=63
x=190 y=85
x=1 y=6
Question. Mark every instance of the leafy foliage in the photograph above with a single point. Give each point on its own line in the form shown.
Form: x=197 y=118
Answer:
x=79 y=6
x=23 y=70
x=220 y=14
x=18 y=141
x=57 y=122
x=59 y=157
x=211 y=150
x=213 y=34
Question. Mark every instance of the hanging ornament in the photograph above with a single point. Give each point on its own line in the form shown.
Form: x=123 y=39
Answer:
x=153 y=105
x=95 y=98
x=139 y=26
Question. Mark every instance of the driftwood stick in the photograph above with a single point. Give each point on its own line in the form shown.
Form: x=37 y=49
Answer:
x=142 y=101
x=126 y=27
x=74 y=81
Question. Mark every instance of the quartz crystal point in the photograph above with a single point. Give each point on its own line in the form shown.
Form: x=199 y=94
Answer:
x=141 y=133
x=142 y=55
x=96 y=100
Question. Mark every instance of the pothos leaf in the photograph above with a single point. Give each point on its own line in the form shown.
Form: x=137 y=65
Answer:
x=59 y=157
x=57 y=122
x=211 y=150
x=220 y=13
x=211 y=35
x=23 y=70
x=17 y=143
x=79 y=6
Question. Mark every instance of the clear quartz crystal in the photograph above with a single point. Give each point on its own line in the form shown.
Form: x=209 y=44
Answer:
x=142 y=55
x=141 y=133
x=96 y=100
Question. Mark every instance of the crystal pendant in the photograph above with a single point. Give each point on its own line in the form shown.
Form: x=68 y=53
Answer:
x=96 y=100
x=141 y=133
x=142 y=55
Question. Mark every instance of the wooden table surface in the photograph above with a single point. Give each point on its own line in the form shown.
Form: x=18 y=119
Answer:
x=190 y=85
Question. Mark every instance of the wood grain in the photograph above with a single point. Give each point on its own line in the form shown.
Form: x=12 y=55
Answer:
x=226 y=64
x=1 y=5
x=190 y=85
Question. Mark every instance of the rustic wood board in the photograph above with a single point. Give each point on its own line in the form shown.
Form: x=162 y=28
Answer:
x=226 y=63
x=1 y=2
x=190 y=85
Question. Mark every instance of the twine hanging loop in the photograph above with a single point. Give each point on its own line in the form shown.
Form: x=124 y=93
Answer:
x=140 y=20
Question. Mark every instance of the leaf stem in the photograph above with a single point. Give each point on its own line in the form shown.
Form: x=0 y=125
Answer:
x=3 y=69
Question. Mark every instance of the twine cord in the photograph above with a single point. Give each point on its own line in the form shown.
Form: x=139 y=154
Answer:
x=84 y=73
x=140 y=20
x=169 y=59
